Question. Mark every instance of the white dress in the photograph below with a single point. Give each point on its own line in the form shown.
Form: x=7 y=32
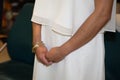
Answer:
x=85 y=63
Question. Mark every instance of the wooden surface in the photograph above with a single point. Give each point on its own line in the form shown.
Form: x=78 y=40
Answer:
x=4 y=56
x=3 y=36
x=118 y=8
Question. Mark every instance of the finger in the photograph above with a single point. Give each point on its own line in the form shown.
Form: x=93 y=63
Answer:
x=49 y=56
x=39 y=58
x=48 y=59
x=46 y=62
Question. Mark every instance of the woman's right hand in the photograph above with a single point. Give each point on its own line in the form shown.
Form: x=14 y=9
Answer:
x=41 y=52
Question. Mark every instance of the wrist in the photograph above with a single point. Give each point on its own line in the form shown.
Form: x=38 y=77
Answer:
x=65 y=49
x=37 y=45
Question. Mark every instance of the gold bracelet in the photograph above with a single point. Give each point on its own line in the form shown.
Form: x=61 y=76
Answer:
x=36 y=45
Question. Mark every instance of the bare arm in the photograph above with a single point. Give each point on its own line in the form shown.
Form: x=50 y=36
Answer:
x=36 y=32
x=86 y=32
x=41 y=50
x=91 y=26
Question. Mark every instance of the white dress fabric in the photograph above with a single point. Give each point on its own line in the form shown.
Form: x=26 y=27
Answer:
x=60 y=19
x=86 y=63
x=66 y=16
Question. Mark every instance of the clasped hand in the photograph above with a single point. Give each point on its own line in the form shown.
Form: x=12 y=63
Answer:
x=49 y=57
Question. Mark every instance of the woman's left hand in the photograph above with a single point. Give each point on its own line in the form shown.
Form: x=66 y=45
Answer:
x=55 y=55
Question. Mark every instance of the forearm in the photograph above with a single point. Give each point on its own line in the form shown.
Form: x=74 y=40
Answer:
x=88 y=30
x=36 y=32
x=40 y=50
x=84 y=34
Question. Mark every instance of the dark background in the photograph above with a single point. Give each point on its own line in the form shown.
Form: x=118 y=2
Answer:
x=15 y=5
x=1 y=6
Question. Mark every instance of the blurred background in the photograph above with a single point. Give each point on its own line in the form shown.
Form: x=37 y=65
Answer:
x=9 y=10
